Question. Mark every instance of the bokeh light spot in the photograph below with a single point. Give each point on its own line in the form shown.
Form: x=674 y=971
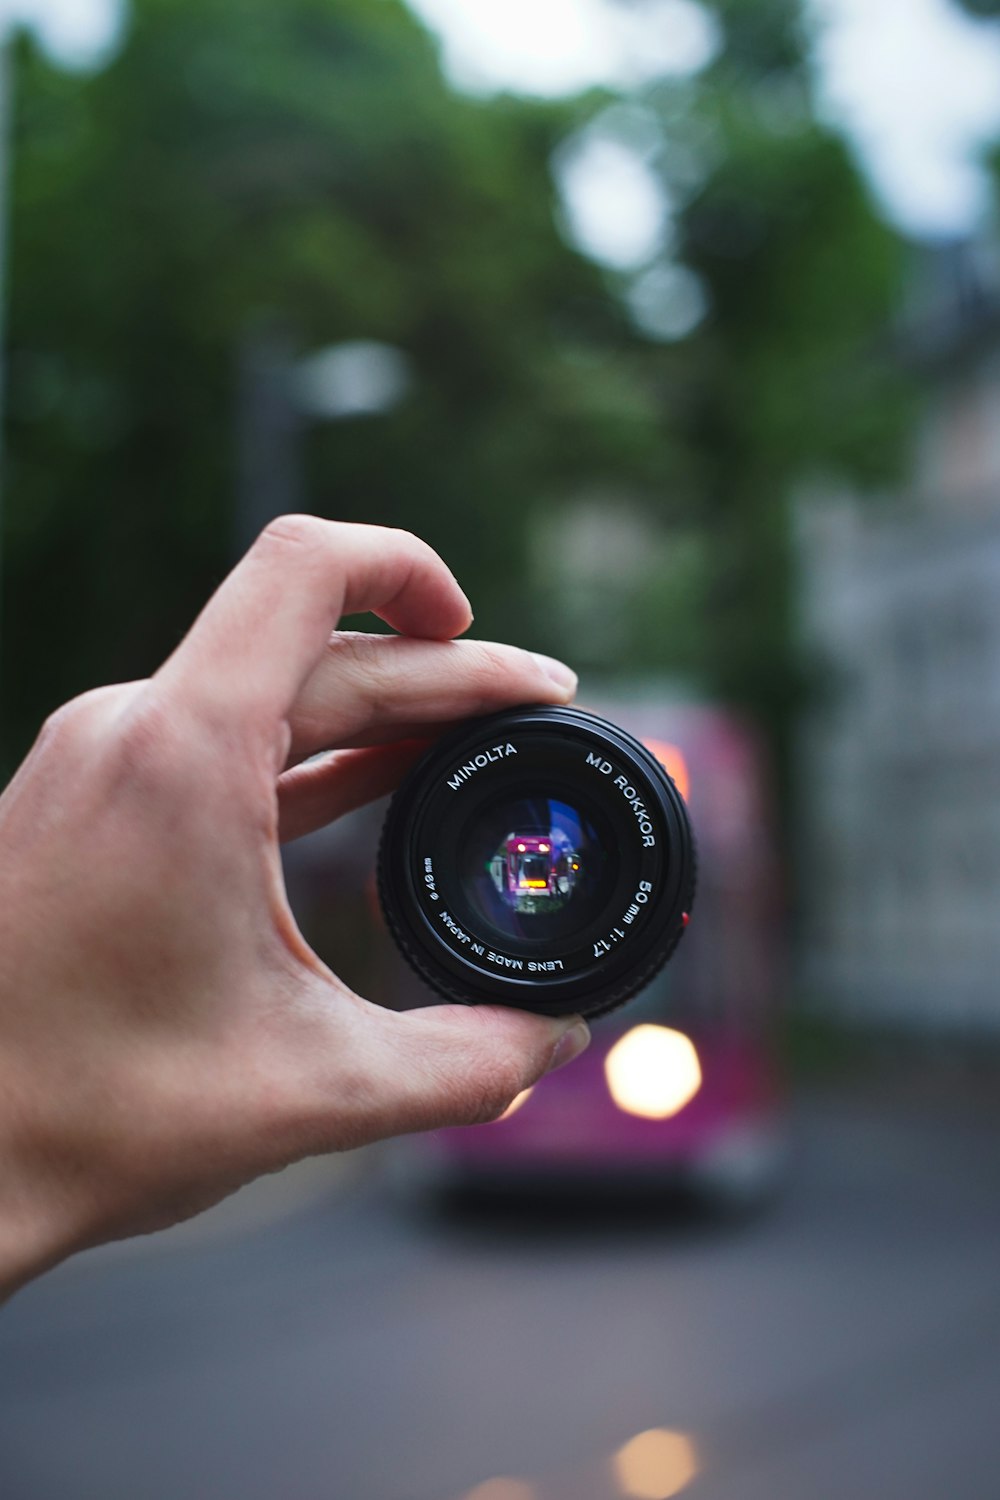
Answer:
x=656 y=1464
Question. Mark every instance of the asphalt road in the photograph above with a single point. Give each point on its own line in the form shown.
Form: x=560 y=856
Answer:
x=845 y=1344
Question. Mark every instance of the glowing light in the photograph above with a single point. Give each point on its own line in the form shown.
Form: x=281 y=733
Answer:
x=358 y=378
x=667 y=302
x=520 y=848
x=514 y=1105
x=564 y=46
x=78 y=34
x=673 y=762
x=544 y=848
x=918 y=84
x=656 y=1464
x=534 y=885
x=914 y=81
x=502 y=1489
x=615 y=207
x=653 y=1072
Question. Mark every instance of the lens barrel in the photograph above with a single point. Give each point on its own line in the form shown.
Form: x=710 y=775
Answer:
x=540 y=858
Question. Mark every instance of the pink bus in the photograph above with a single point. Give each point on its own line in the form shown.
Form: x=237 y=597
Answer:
x=682 y=1085
x=535 y=866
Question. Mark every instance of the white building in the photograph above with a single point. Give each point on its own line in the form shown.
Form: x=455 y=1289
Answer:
x=900 y=768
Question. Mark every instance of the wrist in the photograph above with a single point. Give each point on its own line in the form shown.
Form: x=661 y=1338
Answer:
x=32 y=1241
x=41 y=1218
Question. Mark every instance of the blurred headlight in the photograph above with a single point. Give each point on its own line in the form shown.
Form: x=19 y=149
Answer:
x=657 y=1464
x=653 y=1072
x=672 y=760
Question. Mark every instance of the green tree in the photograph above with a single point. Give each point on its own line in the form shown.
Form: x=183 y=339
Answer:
x=791 y=372
x=305 y=164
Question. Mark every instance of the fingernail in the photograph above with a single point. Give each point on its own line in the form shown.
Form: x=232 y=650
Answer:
x=558 y=672
x=569 y=1046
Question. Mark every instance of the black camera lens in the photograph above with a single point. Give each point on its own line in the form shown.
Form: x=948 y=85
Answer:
x=540 y=858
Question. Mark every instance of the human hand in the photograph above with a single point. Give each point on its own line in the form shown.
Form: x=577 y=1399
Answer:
x=166 y=1034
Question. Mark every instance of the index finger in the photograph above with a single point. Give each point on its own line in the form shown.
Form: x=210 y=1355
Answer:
x=261 y=634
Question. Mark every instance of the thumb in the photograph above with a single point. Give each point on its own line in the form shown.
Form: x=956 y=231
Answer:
x=463 y=1065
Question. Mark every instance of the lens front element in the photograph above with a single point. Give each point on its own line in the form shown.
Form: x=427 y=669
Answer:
x=533 y=866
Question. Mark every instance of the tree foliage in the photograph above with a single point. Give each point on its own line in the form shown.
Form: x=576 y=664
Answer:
x=790 y=374
x=303 y=165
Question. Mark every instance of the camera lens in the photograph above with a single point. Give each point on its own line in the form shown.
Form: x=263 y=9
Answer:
x=540 y=858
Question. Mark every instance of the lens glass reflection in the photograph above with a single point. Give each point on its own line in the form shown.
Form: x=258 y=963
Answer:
x=535 y=867
x=536 y=872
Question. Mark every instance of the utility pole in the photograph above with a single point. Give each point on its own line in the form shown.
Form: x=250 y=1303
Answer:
x=268 y=434
x=281 y=394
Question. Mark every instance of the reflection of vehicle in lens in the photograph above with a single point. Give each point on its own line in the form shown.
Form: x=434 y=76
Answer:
x=534 y=867
x=681 y=1085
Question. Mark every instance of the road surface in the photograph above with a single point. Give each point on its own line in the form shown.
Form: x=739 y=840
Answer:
x=845 y=1344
